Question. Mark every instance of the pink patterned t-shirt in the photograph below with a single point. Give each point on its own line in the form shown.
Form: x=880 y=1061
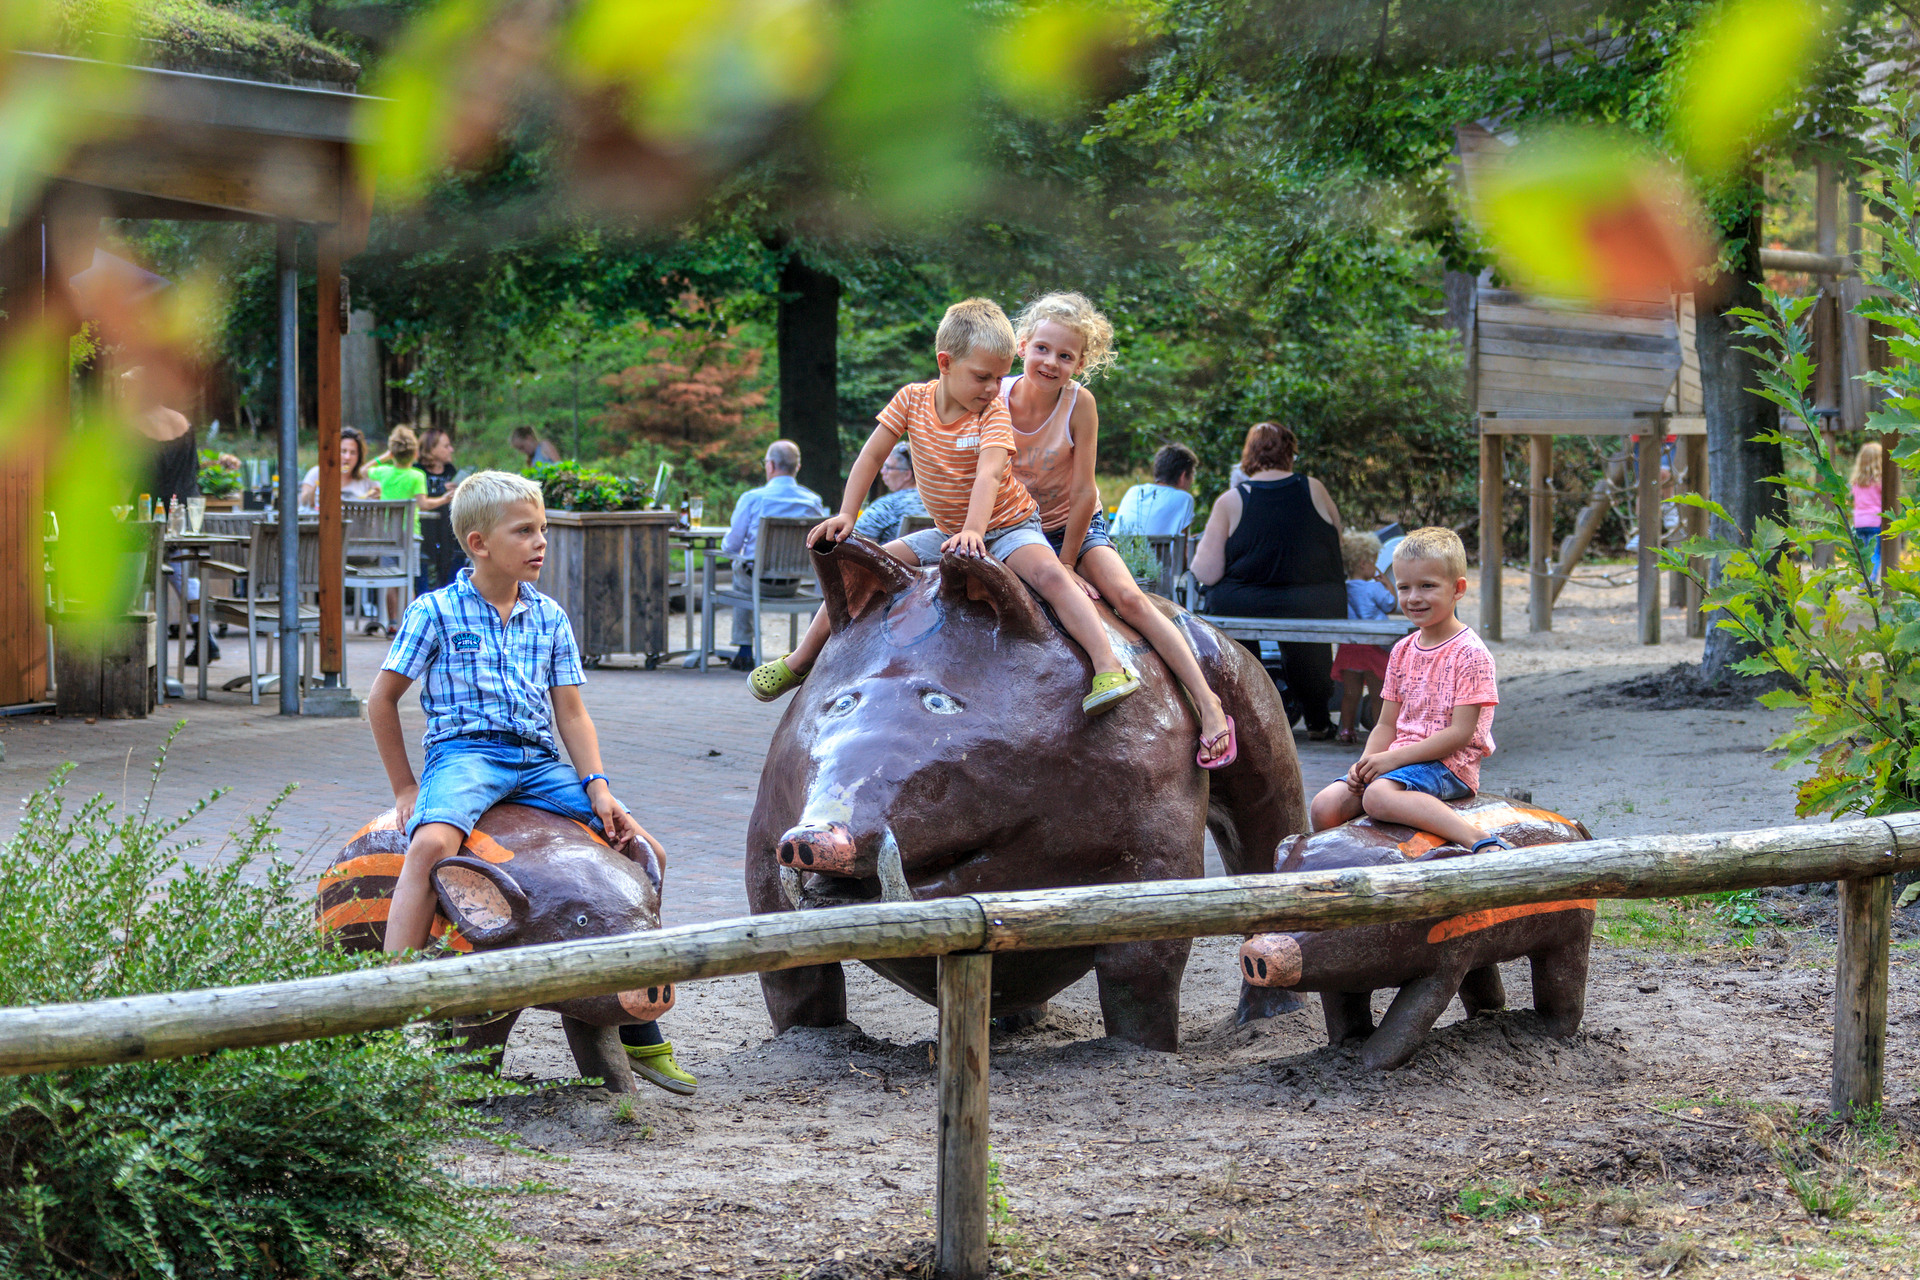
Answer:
x=1429 y=683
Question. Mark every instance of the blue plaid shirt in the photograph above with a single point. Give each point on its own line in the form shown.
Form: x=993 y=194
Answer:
x=483 y=676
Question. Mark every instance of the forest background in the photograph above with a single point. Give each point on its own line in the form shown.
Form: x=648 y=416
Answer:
x=1261 y=197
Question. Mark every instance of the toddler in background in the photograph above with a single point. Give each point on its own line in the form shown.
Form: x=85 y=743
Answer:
x=1361 y=669
x=1866 y=501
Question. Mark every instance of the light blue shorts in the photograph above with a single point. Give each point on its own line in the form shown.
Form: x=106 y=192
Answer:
x=1432 y=778
x=1001 y=543
x=1097 y=534
x=467 y=776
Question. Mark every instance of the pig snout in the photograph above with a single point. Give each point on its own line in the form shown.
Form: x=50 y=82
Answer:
x=823 y=847
x=647 y=1004
x=1270 y=960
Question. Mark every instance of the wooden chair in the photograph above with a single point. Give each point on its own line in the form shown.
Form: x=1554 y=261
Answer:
x=1174 y=552
x=914 y=524
x=258 y=604
x=779 y=554
x=378 y=532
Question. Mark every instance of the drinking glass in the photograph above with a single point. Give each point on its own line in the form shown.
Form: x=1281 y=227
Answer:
x=696 y=504
x=122 y=510
x=196 y=512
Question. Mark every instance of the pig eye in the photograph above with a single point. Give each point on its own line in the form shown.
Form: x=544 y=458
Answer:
x=842 y=704
x=939 y=703
x=580 y=921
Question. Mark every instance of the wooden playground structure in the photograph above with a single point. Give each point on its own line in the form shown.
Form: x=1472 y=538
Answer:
x=1540 y=368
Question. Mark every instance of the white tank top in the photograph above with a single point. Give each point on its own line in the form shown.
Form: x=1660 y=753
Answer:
x=1043 y=458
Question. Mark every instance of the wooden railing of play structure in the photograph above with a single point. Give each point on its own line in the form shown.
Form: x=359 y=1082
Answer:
x=965 y=931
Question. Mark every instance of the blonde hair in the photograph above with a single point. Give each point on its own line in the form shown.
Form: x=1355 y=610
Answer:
x=1434 y=543
x=1078 y=314
x=403 y=446
x=1866 y=465
x=977 y=324
x=482 y=500
x=1360 y=554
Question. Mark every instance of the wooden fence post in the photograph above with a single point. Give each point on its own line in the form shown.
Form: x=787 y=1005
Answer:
x=1539 y=532
x=1492 y=485
x=1652 y=437
x=1860 y=993
x=960 y=1182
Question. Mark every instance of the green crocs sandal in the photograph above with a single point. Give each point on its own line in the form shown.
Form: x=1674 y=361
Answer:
x=654 y=1063
x=1108 y=688
x=771 y=679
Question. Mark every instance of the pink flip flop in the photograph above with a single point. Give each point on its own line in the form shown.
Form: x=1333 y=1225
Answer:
x=1232 y=754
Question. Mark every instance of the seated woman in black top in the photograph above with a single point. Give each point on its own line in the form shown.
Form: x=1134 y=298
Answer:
x=1272 y=550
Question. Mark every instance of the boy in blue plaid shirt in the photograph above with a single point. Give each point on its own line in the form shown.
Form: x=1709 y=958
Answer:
x=502 y=674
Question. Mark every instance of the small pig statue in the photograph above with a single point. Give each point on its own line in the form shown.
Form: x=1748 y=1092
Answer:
x=1428 y=960
x=523 y=876
x=938 y=748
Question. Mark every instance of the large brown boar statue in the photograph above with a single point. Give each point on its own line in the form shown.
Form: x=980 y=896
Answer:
x=1428 y=961
x=523 y=876
x=938 y=748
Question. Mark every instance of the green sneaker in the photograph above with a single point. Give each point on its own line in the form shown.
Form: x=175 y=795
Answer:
x=771 y=679
x=654 y=1063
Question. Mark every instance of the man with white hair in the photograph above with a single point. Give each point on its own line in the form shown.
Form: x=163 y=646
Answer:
x=781 y=495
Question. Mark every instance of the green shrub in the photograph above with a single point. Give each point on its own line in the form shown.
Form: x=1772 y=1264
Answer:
x=217 y=480
x=568 y=486
x=316 y=1159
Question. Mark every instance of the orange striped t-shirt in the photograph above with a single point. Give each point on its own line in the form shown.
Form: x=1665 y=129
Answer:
x=946 y=457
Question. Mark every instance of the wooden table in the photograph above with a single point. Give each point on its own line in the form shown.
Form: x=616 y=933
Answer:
x=1313 y=630
x=702 y=543
x=183 y=548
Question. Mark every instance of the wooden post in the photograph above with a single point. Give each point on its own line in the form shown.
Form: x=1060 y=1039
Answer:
x=1651 y=439
x=1860 y=993
x=326 y=372
x=960 y=1184
x=1492 y=550
x=1539 y=532
x=1697 y=527
x=1889 y=505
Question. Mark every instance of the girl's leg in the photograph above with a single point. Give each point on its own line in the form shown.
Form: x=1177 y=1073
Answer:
x=1040 y=569
x=1390 y=801
x=801 y=660
x=410 y=911
x=1336 y=803
x=1109 y=575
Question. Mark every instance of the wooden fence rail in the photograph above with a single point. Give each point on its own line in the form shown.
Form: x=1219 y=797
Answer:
x=177 y=1024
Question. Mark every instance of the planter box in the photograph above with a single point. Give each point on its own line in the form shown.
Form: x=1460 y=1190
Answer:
x=229 y=503
x=106 y=672
x=608 y=570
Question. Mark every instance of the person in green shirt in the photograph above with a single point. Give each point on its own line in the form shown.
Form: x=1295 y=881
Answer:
x=399 y=479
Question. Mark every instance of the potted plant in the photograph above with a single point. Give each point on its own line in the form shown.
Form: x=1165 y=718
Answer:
x=1141 y=562
x=607 y=559
x=219 y=482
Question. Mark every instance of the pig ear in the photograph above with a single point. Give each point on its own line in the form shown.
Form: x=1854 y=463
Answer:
x=985 y=579
x=483 y=901
x=854 y=574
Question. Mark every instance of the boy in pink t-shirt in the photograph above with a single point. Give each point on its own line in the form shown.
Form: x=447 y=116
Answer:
x=1436 y=712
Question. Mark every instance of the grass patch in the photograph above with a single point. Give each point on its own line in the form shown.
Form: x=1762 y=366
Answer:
x=1698 y=922
x=1444 y=1244
x=1489 y=1200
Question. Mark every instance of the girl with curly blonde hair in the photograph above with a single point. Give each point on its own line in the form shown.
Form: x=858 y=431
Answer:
x=1063 y=342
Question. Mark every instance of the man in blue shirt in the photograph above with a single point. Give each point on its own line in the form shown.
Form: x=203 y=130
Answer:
x=883 y=517
x=781 y=495
x=1166 y=505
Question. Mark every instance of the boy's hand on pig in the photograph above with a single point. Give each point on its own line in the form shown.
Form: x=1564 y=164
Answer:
x=967 y=543
x=834 y=528
x=403 y=802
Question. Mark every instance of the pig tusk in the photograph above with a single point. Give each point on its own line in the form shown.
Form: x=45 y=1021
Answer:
x=790 y=885
x=893 y=878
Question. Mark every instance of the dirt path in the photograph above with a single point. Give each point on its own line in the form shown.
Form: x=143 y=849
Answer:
x=1657 y=1141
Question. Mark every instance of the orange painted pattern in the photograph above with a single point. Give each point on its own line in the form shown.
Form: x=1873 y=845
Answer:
x=367 y=864
x=1474 y=921
x=483 y=846
x=1422 y=844
x=376 y=911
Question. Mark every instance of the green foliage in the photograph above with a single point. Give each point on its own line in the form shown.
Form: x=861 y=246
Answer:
x=1841 y=645
x=217 y=479
x=1487 y=1200
x=318 y=1159
x=1137 y=553
x=568 y=486
x=1743 y=909
x=195 y=35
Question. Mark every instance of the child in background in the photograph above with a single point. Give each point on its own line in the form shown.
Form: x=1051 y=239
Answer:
x=1867 y=515
x=398 y=479
x=1361 y=669
x=502 y=677
x=962 y=444
x=1436 y=709
x=1056 y=429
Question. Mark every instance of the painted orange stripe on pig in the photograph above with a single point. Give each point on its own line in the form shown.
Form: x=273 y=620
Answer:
x=1474 y=921
x=1422 y=844
x=439 y=930
x=367 y=864
x=358 y=911
x=481 y=845
x=591 y=833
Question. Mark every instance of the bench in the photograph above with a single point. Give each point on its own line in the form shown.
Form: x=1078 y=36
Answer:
x=1312 y=630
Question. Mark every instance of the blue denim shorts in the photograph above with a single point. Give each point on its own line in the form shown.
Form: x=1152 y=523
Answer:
x=1001 y=543
x=1431 y=778
x=467 y=776
x=1097 y=534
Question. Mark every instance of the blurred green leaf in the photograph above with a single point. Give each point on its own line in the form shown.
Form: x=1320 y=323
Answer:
x=416 y=99
x=1745 y=65
x=1047 y=58
x=93 y=471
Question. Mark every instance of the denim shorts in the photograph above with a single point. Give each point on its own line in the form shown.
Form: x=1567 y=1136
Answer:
x=1001 y=543
x=1097 y=534
x=466 y=776
x=1431 y=778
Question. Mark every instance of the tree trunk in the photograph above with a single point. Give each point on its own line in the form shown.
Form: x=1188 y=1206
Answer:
x=1737 y=467
x=809 y=339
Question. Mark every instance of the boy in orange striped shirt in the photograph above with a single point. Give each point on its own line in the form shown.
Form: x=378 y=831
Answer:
x=962 y=440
